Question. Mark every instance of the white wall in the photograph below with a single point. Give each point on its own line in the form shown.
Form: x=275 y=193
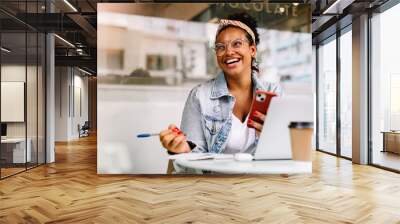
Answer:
x=68 y=81
x=80 y=83
x=61 y=103
x=13 y=73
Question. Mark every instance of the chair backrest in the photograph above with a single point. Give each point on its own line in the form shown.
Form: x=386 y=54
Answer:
x=86 y=125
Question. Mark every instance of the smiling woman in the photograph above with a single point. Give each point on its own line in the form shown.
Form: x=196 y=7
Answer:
x=216 y=114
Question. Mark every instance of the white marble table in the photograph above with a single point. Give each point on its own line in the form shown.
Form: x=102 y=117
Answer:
x=230 y=166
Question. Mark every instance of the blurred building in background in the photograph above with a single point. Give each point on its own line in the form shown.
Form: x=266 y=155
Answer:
x=137 y=49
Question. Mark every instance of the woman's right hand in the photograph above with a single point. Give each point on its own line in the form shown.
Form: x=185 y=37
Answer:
x=173 y=141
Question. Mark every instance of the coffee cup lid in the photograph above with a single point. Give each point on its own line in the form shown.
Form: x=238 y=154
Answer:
x=301 y=124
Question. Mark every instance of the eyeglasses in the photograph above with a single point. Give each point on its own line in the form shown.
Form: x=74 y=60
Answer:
x=237 y=44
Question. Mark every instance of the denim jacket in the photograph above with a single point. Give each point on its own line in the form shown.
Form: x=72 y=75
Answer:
x=207 y=116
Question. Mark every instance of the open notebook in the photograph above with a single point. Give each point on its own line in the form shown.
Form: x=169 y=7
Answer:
x=200 y=156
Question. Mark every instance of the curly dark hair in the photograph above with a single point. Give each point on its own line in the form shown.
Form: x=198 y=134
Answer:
x=249 y=21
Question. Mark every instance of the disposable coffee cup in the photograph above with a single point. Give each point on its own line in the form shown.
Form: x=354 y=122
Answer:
x=300 y=140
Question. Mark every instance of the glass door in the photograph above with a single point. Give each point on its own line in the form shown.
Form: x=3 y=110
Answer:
x=327 y=96
x=346 y=93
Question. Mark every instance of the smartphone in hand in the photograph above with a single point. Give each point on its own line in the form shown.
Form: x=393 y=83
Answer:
x=260 y=103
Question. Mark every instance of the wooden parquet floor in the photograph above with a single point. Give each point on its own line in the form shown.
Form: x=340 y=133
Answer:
x=70 y=191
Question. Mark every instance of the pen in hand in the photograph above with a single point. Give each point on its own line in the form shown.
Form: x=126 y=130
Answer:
x=145 y=135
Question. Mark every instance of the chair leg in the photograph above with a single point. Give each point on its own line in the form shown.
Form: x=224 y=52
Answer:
x=170 y=168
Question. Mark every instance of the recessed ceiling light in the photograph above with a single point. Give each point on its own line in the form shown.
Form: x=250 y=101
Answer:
x=5 y=50
x=70 y=5
x=84 y=71
x=337 y=7
x=64 y=40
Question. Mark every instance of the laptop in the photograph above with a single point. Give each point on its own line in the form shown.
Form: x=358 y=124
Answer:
x=274 y=141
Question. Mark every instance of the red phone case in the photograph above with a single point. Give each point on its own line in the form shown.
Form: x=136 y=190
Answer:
x=260 y=105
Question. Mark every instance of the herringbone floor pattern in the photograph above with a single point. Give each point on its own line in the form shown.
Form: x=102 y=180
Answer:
x=70 y=191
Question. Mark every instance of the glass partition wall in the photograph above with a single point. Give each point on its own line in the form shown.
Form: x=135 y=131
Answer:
x=385 y=89
x=334 y=75
x=334 y=94
x=13 y=111
x=22 y=88
x=327 y=96
x=345 y=108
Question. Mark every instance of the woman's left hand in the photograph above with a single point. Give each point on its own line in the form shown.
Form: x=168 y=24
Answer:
x=256 y=125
